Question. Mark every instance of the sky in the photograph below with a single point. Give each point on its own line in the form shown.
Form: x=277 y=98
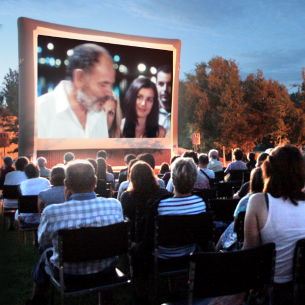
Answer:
x=265 y=35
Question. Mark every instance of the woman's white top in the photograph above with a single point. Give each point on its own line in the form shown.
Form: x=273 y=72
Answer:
x=285 y=225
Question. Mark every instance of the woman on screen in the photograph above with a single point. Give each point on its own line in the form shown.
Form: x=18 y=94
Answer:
x=114 y=116
x=142 y=111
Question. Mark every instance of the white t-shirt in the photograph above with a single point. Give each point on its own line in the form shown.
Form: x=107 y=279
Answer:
x=32 y=187
x=56 y=119
x=13 y=178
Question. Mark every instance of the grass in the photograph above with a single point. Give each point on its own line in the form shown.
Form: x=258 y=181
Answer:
x=16 y=283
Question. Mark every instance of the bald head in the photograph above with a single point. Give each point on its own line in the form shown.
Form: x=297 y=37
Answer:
x=80 y=177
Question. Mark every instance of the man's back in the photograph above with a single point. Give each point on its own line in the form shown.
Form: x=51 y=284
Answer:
x=82 y=210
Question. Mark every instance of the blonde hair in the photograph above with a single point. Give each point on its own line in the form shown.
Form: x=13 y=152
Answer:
x=115 y=130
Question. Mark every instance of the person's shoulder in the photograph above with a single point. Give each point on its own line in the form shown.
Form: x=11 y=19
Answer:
x=161 y=132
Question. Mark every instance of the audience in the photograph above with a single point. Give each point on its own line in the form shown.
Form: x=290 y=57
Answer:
x=69 y=156
x=237 y=164
x=80 y=182
x=15 y=178
x=251 y=161
x=43 y=171
x=245 y=187
x=277 y=215
x=32 y=186
x=229 y=237
x=150 y=160
x=167 y=175
x=214 y=164
x=164 y=168
x=204 y=174
x=56 y=194
x=123 y=172
x=143 y=186
x=103 y=154
x=124 y=185
x=7 y=167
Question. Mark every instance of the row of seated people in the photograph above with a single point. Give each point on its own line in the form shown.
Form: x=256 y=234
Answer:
x=284 y=178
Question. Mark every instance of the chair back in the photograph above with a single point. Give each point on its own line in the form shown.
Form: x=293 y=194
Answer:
x=28 y=204
x=240 y=228
x=299 y=272
x=223 y=208
x=103 y=188
x=11 y=191
x=93 y=243
x=226 y=189
x=218 y=274
x=219 y=176
x=240 y=175
x=206 y=194
x=184 y=229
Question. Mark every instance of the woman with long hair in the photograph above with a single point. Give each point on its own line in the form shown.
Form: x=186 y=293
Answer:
x=102 y=171
x=277 y=215
x=114 y=116
x=143 y=186
x=142 y=111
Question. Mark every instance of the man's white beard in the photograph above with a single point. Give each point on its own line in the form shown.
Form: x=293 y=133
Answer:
x=91 y=105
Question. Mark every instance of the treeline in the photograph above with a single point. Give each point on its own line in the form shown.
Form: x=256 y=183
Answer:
x=227 y=111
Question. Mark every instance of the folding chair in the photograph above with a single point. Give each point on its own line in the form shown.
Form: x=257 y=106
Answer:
x=219 y=176
x=223 y=208
x=299 y=272
x=219 y=274
x=174 y=231
x=89 y=244
x=103 y=189
x=240 y=229
x=225 y=190
x=26 y=204
x=206 y=194
x=9 y=192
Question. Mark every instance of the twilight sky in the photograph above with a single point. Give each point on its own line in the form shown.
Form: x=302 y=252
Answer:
x=265 y=35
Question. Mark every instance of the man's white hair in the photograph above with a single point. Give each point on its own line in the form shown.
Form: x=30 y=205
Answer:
x=213 y=154
x=41 y=161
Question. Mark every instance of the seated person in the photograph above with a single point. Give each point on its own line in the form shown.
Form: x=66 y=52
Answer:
x=69 y=156
x=237 y=164
x=103 y=154
x=167 y=175
x=150 y=160
x=80 y=183
x=123 y=172
x=124 y=185
x=204 y=174
x=246 y=186
x=7 y=167
x=43 y=171
x=164 y=168
x=56 y=194
x=15 y=178
x=32 y=186
x=143 y=186
x=214 y=164
x=251 y=161
x=277 y=215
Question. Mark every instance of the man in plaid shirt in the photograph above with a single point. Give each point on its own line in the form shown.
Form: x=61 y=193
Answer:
x=82 y=209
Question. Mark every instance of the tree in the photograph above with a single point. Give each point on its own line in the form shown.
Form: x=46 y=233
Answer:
x=9 y=103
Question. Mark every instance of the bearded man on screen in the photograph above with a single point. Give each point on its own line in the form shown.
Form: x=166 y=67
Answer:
x=75 y=108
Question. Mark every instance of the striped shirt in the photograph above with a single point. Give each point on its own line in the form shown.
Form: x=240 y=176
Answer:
x=180 y=206
x=82 y=210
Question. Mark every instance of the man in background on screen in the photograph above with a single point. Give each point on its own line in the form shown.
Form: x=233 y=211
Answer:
x=75 y=108
x=164 y=87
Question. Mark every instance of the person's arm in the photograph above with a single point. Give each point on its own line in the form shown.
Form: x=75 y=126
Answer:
x=169 y=186
x=40 y=206
x=252 y=226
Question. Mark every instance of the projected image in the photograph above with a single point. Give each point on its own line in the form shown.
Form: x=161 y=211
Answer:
x=102 y=90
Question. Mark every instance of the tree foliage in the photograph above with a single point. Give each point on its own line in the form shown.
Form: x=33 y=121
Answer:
x=234 y=113
x=9 y=104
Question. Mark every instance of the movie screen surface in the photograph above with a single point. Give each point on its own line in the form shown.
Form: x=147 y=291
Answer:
x=89 y=89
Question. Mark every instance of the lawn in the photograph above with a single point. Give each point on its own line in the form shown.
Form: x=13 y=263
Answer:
x=16 y=283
